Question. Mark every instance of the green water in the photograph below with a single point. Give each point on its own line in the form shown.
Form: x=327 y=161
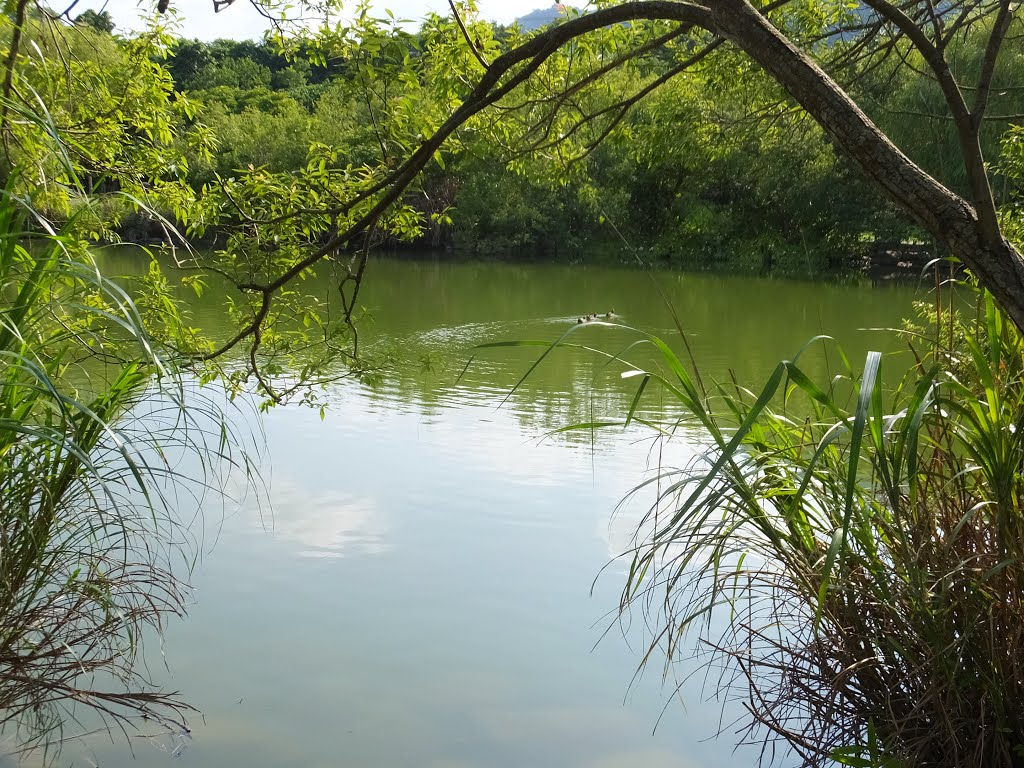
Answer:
x=417 y=587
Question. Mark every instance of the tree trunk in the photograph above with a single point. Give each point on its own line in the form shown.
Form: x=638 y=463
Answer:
x=996 y=263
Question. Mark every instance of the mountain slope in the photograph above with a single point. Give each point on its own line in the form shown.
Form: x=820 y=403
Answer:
x=539 y=18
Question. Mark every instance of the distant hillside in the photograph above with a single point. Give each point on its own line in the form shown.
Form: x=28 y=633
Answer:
x=539 y=18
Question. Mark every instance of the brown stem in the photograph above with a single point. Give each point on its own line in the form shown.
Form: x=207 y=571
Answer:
x=12 y=59
x=988 y=67
x=465 y=33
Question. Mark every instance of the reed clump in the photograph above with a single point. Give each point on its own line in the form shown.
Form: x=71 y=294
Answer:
x=847 y=554
x=850 y=555
x=93 y=554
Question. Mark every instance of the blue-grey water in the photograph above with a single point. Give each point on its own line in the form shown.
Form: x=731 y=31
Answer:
x=415 y=584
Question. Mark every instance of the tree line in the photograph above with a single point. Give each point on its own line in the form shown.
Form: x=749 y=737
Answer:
x=716 y=170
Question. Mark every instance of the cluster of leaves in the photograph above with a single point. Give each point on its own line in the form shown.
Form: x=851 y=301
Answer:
x=113 y=120
x=714 y=169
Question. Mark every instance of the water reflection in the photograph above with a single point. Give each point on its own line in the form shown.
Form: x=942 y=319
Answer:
x=422 y=590
x=326 y=523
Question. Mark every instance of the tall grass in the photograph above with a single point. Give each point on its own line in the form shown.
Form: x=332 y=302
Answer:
x=849 y=556
x=92 y=552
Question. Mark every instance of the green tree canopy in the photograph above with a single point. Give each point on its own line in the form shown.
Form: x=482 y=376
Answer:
x=101 y=21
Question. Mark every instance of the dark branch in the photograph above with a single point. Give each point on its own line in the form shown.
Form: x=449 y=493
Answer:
x=988 y=66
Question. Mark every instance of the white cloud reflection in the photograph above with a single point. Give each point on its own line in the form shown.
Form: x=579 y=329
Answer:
x=325 y=523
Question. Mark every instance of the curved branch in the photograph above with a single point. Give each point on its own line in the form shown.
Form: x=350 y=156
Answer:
x=970 y=232
x=988 y=66
x=964 y=121
x=621 y=107
x=532 y=54
x=465 y=34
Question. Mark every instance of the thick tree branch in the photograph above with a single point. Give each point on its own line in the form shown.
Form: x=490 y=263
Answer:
x=955 y=223
x=970 y=232
x=988 y=66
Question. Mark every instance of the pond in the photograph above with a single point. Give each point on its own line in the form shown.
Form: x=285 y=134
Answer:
x=422 y=584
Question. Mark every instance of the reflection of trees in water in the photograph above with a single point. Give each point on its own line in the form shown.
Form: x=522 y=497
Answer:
x=569 y=387
x=427 y=316
x=563 y=391
x=444 y=308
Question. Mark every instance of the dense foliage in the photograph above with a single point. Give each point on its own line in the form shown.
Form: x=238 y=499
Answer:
x=714 y=170
x=696 y=175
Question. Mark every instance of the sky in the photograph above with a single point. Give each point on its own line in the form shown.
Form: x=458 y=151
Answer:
x=241 y=21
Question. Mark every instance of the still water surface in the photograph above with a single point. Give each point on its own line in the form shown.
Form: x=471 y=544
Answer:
x=416 y=587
